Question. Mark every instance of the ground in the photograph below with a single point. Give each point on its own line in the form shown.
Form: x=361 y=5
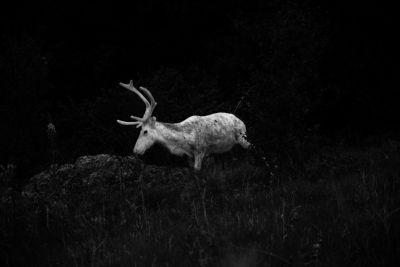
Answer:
x=341 y=207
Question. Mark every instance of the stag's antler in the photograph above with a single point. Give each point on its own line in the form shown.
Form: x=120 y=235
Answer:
x=149 y=106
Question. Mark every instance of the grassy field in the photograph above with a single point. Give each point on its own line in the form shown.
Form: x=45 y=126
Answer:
x=338 y=207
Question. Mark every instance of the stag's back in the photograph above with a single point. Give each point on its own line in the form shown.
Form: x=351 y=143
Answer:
x=215 y=133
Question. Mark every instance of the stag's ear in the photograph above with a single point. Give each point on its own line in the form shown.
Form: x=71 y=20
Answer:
x=152 y=121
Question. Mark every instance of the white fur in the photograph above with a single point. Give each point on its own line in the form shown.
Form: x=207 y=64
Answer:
x=196 y=137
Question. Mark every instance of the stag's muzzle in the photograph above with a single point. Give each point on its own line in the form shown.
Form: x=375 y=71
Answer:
x=138 y=151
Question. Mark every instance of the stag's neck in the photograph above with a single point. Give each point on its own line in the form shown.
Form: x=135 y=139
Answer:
x=174 y=138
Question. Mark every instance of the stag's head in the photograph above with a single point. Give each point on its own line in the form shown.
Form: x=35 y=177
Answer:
x=148 y=133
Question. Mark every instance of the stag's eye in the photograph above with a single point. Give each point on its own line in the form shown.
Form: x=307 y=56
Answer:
x=145 y=132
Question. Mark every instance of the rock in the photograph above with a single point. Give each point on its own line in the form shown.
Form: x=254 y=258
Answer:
x=92 y=178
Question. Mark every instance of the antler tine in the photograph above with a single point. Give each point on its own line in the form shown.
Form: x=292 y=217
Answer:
x=153 y=103
x=129 y=122
x=137 y=118
x=130 y=87
x=149 y=106
x=147 y=92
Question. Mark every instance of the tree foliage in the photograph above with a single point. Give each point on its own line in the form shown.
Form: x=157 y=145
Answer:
x=272 y=63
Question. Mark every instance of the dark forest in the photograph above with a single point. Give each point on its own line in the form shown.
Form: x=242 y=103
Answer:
x=313 y=82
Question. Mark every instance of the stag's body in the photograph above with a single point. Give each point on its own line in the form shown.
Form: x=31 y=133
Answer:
x=195 y=137
x=199 y=136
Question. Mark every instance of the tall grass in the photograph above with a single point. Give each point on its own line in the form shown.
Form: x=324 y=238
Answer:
x=341 y=208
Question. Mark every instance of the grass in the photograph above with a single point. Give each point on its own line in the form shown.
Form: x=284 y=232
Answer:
x=339 y=207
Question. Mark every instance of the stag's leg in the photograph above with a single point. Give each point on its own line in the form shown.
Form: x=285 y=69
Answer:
x=190 y=162
x=243 y=140
x=198 y=159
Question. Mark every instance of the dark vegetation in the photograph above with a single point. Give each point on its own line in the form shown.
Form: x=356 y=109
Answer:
x=116 y=211
x=314 y=83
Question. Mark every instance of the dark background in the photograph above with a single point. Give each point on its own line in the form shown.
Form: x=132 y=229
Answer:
x=306 y=71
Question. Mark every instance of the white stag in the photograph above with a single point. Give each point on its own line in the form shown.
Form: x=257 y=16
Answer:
x=196 y=137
